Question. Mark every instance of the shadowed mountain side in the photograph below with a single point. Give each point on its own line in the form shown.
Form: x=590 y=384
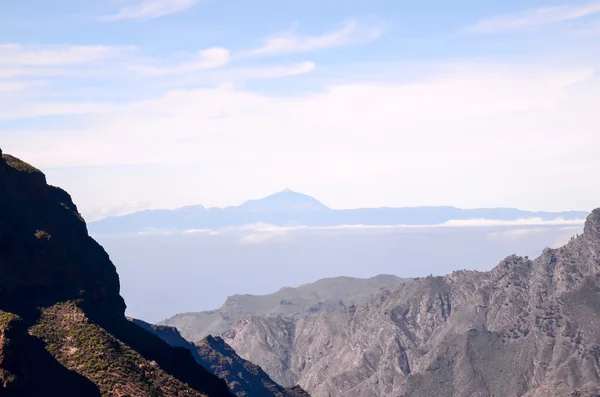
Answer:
x=526 y=328
x=325 y=294
x=244 y=378
x=289 y=208
x=62 y=324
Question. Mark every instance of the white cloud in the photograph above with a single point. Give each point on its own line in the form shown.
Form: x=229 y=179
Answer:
x=517 y=229
x=210 y=58
x=48 y=56
x=228 y=77
x=39 y=109
x=291 y=42
x=269 y=72
x=262 y=238
x=149 y=9
x=362 y=144
x=534 y=17
x=261 y=233
x=518 y=222
x=14 y=86
x=201 y=231
x=25 y=67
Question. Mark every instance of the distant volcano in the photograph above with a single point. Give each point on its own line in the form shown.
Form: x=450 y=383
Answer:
x=286 y=200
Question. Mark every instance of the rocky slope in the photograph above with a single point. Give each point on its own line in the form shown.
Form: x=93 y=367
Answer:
x=527 y=328
x=243 y=378
x=62 y=324
x=325 y=294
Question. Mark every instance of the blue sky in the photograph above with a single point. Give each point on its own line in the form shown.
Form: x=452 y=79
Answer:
x=164 y=103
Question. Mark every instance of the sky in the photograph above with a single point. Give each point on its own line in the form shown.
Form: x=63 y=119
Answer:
x=137 y=104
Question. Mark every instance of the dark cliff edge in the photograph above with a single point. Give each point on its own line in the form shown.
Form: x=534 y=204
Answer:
x=244 y=378
x=62 y=325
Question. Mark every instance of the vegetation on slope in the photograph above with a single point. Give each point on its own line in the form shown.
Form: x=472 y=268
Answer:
x=62 y=325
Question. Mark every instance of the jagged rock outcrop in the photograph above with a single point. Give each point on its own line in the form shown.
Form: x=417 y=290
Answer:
x=527 y=328
x=324 y=294
x=62 y=324
x=244 y=378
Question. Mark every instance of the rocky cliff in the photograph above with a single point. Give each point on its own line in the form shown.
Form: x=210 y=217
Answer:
x=527 y=328
x=244 y=378
x=62 y=324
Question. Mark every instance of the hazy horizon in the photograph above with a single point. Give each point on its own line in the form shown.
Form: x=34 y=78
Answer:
x=165 y=274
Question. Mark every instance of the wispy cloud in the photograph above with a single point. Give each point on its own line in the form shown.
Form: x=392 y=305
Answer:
x=517 y=222
x=261 y=233
x=150 y=9
x=14 y=86
x=242 y=74
x=210 y=58
x=57 y=55
x=272 y=71
x=534 y=17
x=40 y=109
x=291 y=42
x=492 y=107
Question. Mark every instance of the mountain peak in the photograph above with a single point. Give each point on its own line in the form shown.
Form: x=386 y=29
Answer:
x=285 y=200
x=592 y=225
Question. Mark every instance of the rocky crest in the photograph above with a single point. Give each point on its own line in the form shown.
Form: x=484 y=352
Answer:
x=62 y=324
x=527 y=328
x=324 y=294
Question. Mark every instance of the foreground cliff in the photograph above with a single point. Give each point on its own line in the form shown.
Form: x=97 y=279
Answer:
x=527 y=328
x=62 y=324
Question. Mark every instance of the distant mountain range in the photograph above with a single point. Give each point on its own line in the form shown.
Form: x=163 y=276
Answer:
x=289 y=208
x=324 y=294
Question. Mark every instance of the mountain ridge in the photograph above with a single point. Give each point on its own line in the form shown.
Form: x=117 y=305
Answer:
x=289 y=208
x=323 y=294
x=526 y=328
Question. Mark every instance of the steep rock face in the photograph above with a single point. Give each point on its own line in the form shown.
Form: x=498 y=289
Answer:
x=324 y=294
x=244 y=378
x=526 y=328
x=46 y=253
x=62 y=324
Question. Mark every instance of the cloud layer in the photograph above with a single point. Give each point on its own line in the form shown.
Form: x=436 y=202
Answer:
x=149 y=9
x=409 y=139
x=221 y=121
x=291 y=42
x=534 y=17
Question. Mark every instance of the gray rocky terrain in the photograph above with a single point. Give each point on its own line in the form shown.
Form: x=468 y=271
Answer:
x=526 y=328
x=325 y=294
